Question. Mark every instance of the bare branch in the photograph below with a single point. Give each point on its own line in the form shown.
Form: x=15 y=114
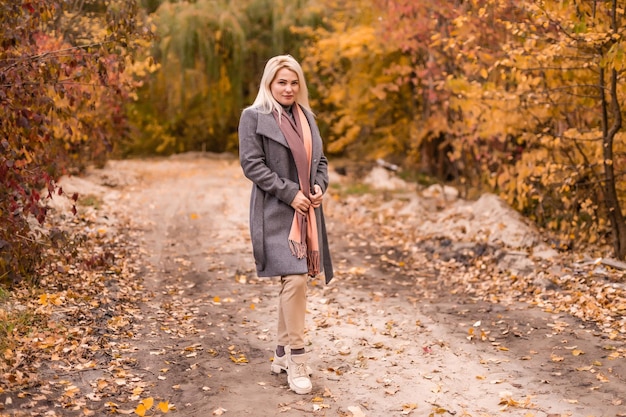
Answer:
x=47 y=54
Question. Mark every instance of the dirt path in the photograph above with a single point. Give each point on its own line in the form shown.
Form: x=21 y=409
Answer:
x=384 y=342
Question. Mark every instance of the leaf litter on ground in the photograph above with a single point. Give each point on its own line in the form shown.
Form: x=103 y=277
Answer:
x=84 y=313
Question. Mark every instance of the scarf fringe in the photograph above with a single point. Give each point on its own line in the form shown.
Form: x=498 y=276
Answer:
x=313 y=263
x=298 y=249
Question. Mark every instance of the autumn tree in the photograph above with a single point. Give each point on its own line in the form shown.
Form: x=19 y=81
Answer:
x=362 y=111
x=210 y=55
x=521 y=98
x=63 y=82
x=564 y=67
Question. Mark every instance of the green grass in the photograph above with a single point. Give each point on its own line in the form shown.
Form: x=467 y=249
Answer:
x=13 y=320
x=417 y=177
x=353 y=189
x=90 y=200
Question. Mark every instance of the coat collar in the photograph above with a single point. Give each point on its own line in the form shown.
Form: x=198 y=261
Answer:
x=267 y=126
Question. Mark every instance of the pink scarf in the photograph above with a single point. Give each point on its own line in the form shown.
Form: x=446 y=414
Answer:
x=303 y=238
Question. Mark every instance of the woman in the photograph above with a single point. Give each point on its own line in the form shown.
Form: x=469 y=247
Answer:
x=280 y=150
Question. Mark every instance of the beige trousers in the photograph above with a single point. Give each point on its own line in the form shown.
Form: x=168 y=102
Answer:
x=291 y=310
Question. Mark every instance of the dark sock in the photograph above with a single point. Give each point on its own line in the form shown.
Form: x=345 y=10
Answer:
x=280 y=351
x=297 y=351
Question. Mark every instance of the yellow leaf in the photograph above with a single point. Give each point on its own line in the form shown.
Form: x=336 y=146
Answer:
x=71 y=391
x=140 y=410
x=555 y=358
x=194 y=216
x=164 y=406
x=240 y=359
x=577 y=352
x=148 y=403
x=216 y=299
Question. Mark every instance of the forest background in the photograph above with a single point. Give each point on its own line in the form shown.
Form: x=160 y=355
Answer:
x=521 y=98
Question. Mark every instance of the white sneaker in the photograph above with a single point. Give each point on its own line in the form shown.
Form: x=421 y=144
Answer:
x=279 y=364
x=297 y=376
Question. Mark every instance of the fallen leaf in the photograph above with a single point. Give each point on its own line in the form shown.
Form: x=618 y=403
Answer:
x=144 y=406
x=602 y=378
x=141 y=410
x=240 y=359
x=556 y=358
x=356 y=411
x=164 y=406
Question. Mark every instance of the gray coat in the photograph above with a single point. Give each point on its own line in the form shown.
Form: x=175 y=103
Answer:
x=267 y=161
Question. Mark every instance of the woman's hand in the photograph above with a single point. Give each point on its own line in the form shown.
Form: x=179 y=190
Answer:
x=317 y=196
x=300 y=203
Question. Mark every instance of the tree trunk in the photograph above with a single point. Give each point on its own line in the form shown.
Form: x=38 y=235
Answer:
x=612 y=202
x=615 y=214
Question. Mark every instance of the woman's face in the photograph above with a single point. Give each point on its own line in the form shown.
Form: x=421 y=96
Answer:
x=285 y=86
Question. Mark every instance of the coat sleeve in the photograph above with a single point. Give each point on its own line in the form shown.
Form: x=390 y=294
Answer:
x=321 y=176
x=253 y=161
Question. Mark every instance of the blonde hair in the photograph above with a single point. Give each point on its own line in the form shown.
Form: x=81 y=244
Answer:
x=264 y=99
